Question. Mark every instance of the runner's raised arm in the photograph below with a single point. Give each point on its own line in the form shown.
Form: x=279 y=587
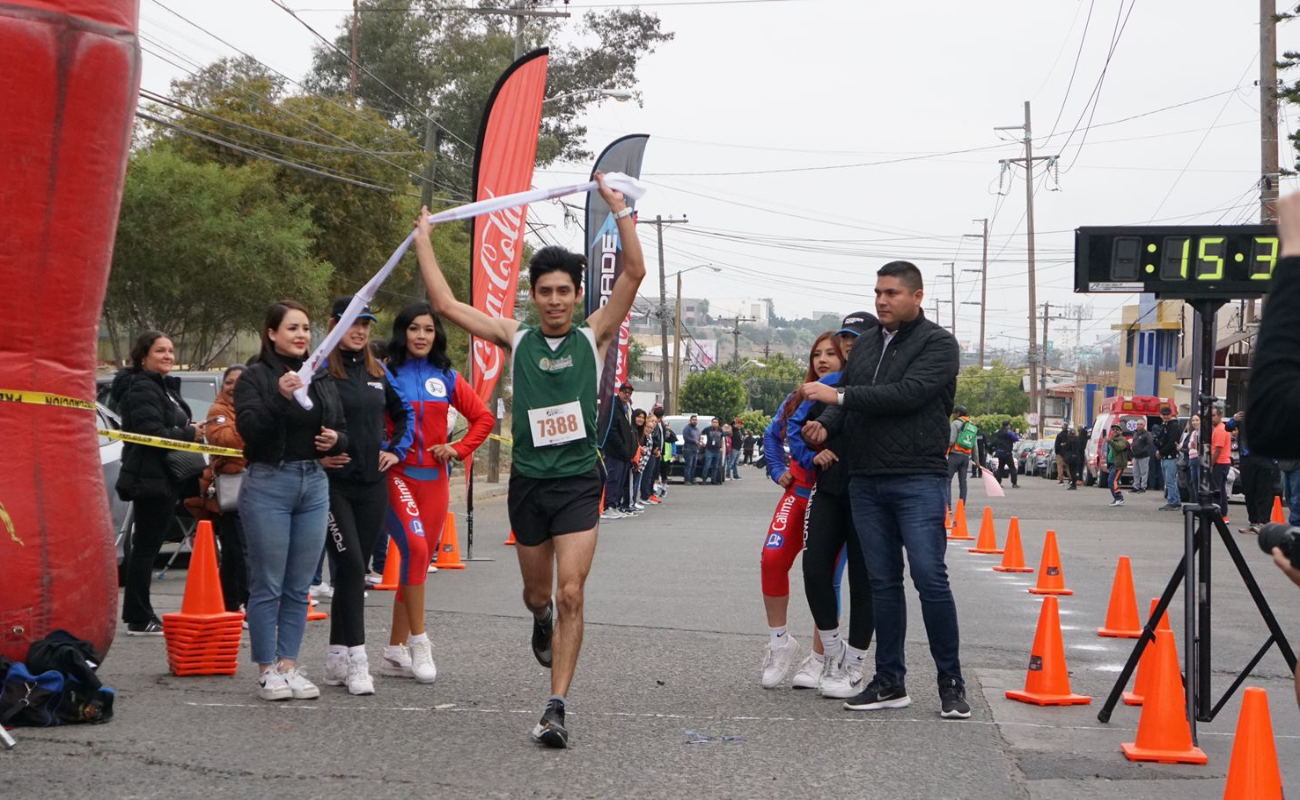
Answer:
x=606 y=321
x=498 y=331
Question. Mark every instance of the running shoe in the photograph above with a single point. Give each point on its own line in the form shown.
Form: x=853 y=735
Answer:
x=837 y=681
x=550 y=731
x=432 y=568
x=374 y=578
x=542 y=632
x=612 y=514
x=422 y=667
x=299 y=687
x=1119 y=501
x=336 y=668
x=952 y=693
x=151 y=628
x=655 y=500
x=777 y=662
x=397 y=662
x=879 y=695
x=273 y=686
x=358 y=675
x=809 y=674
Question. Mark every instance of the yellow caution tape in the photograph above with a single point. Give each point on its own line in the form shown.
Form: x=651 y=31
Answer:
x=502 y=440
x=45 y=399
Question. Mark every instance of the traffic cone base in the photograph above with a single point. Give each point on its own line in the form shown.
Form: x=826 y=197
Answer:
x=959 y=530
x=1163 y=733
x=1047 y=683
x=1050 y=578
x=314 y=614
x=1253 y=773
x=1193 y=755
x=392 y=577
x=1013 y=557
x=449 y=550
x=988 y=541
x=1121 y=614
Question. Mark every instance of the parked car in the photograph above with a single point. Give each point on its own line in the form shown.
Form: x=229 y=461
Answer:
x=1023 y=454
x=1045 y=457
x=198 y=388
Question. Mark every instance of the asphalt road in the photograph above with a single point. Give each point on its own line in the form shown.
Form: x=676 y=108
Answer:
x=674 y=644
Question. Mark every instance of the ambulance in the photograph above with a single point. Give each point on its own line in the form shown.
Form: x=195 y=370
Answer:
x=1125 y=411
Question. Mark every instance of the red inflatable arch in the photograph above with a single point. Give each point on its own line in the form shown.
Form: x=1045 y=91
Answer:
x=67 y=93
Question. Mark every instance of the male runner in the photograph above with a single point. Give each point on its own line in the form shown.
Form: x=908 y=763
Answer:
x=556 y=478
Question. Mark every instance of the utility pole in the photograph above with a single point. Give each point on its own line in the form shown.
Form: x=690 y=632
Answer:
x=984 y=280
x=952 y=281
x=522 y=13
x=1035 y=355
x=352 y=73
x=659 y=222
x=1268 y=110
x=735 y=333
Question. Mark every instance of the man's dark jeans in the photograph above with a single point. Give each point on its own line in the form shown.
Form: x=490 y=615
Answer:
x=689 y=456
x=616 y=484
x=906 y=512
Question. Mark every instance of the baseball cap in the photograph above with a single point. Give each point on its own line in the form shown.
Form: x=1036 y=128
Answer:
x=857 y=323
x=626 y=386
x=341 y=305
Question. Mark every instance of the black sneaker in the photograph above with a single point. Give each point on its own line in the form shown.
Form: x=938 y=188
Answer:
x=550 y=731
x=151 y=628
x=952 y=693
x=542 y=632
x=879 y=695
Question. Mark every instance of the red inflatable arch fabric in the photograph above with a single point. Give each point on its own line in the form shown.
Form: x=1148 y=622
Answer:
x=70 y=72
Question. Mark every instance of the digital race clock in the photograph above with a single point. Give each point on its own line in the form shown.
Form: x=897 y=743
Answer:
x=1177 y=261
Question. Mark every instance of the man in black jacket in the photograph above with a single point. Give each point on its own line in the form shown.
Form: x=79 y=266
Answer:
x=1166 y=443
x=889 y=416
x=618 y=446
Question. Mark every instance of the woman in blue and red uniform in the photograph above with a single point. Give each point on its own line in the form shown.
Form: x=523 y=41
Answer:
x=417 y=358
x=785 y=536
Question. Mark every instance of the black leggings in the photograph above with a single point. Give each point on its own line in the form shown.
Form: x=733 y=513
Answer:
x=356 y=518
x=828 y=530
x=152 y=521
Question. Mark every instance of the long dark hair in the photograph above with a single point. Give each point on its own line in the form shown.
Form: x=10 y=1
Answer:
x=274 y=316
x=143 y=343
x=397 y=354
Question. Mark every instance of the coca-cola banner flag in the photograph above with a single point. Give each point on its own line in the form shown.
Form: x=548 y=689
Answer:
x=503 y=164
x=605 y=254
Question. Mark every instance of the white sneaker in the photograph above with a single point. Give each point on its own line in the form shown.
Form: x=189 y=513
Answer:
x=374 y=578
x=396 y=663
x=315 y=590
x=432 y=568
x=611 y=514
x=838 y=681
x=327 y=591
x=336 y=668
x=809 y=674
x=422 y=667
x=777 y=661
x=299 y=686
x=272 y=685
x=639 y=506
x=358 y=675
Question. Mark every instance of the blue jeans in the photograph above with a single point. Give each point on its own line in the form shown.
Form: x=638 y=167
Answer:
x=285 y=508
x=689 y=456
x=1291 y=482
x=711 y=463
x=1169 y=471
x=893 y=514
x=733 y=461
x=1194 y=479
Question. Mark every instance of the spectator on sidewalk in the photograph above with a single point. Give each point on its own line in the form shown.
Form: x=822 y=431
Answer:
x=1118 y=461
x=1220 y=461
x=713 y=437
x=962 y=434
x=651 y=476
x=690 y=449
x=748 y=444
x=1166 y=444
x=1004 y=442
x=1141 y=448
x=618 y=444
x=1064 y=468
x=733 y=454
x=1257 y=476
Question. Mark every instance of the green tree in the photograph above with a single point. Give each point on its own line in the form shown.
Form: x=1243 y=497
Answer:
x=635 y=351
x=756 y=422
x=449 y=61
x=769 y=384
x=202 y=250
x=995 y=390
x=714 y=393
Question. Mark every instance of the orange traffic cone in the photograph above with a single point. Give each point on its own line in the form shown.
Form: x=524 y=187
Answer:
x=449 y=547
x=1163 y=734
x=947 y=517
x=1122 y=614
x=959 y=530
x=1048 y=681
x=988 y=541
x=203 y=581
x=313 y=615
x=1253 y=773
x=203 y=638
x=1278 y=516
x=1142 y=681
x=392 y=570
x=511 y=541
x=1050 y=579
x=1013 y=557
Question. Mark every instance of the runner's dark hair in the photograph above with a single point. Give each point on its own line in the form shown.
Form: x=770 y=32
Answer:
x=557 y=259
x=397 y=353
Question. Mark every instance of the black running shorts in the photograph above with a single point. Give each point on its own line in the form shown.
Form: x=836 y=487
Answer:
x=542 y=508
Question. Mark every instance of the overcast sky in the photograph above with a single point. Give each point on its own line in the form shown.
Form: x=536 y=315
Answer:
x=797 y=102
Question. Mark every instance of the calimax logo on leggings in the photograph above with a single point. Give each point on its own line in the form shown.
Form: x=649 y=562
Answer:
x=411 y=507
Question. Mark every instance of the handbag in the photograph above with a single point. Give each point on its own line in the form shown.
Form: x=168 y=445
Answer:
x=226 y=488
x=183 y=466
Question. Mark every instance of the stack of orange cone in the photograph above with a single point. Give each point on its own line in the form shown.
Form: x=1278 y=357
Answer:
x=1278 y=515
x=203 y=639
x=511 y=541
x=1048 y=681
x=1253 y=773
x=959 y=530
x=1146 y=664
x=392 y=578
x=1163 y=733
x=1122 y=614
x=988 y=541
x=1050 y=578
x=449 y=547
x=1013 y=559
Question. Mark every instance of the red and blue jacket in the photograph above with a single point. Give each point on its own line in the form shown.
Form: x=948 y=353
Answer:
x=429 y=390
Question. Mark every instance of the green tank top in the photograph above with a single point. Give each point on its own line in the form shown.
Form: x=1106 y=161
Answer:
x=559 y=386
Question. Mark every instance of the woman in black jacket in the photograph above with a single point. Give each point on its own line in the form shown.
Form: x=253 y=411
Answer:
x=284 y=497
x=150 y=403
x=358 y=491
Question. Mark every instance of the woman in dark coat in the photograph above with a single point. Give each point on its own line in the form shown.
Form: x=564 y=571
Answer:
x=149 y=403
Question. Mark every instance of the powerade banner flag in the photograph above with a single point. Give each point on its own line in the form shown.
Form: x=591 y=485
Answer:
x=605 y=254
x=503 y=164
